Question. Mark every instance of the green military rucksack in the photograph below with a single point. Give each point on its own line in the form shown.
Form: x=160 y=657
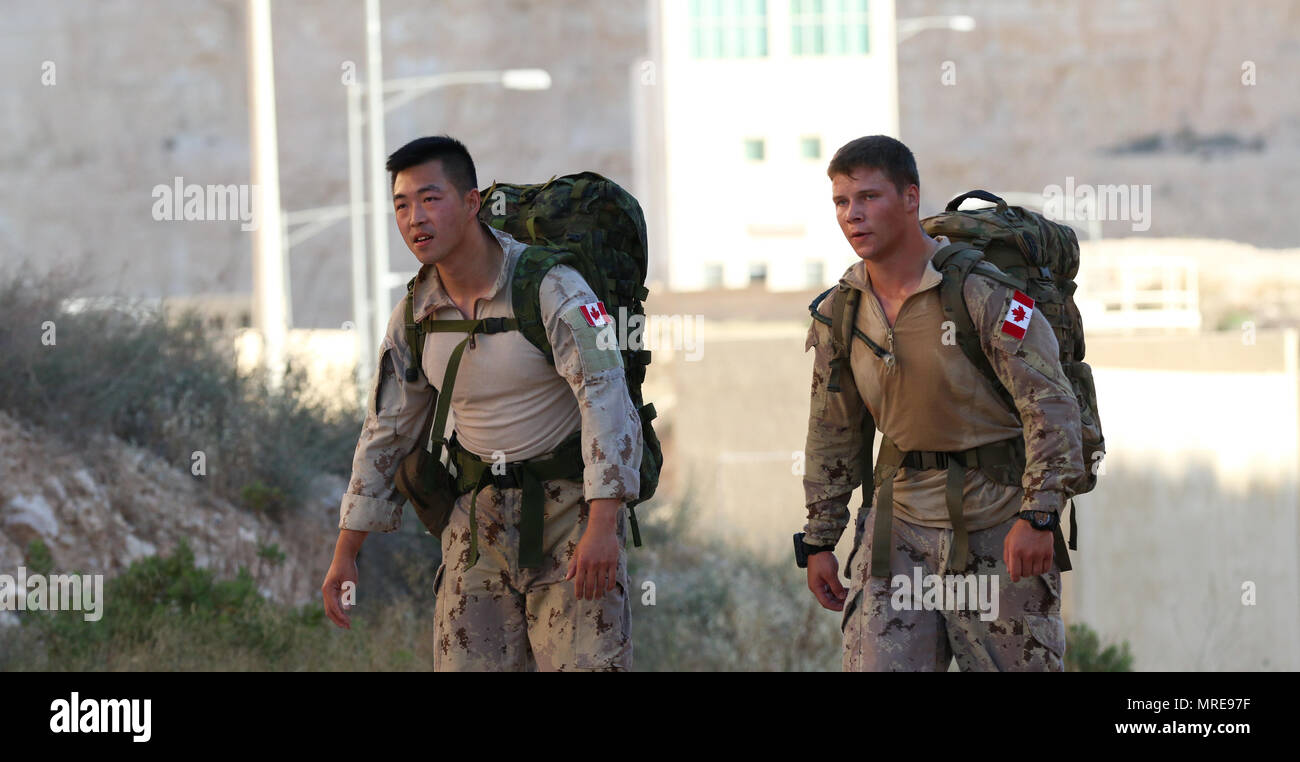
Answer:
x=1027 y=252
x=1042 y=259
x=591 y=224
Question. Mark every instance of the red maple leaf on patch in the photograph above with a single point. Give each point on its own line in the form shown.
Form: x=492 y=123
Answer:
x=1019 y=314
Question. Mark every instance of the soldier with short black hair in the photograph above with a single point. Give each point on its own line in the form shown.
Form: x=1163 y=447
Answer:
x=525 y=584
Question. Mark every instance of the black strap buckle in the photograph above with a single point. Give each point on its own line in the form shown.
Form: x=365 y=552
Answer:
x=511 y=479
x=493 y=325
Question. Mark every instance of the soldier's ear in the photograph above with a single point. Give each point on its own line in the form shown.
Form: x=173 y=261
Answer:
x=474 y=200
x=912 y=198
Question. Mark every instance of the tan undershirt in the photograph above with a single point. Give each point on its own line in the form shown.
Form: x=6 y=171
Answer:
x=932 y=399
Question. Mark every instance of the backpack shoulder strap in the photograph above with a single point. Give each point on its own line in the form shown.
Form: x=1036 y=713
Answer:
x=526 y=289
x=956 y=262
x=844 y=317
x=414 y=336
x=845 y=302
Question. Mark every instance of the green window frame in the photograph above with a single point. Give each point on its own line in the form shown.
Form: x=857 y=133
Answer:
x=722 y=29
x=830 y=28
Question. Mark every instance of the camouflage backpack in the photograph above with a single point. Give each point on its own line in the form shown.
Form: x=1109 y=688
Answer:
x=591 y=224
x=1030 y=253
x=1041 y=257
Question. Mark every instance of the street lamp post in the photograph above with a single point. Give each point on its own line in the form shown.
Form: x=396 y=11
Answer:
x=378 y=188
x=270 y=309
x=370 y=305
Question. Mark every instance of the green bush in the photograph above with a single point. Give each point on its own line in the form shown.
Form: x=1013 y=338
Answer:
x=1083 y=652
x=166 y=613
x=170 y=384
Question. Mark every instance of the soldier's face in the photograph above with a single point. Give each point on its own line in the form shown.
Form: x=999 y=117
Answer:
x=872 y=213
x=432 y=214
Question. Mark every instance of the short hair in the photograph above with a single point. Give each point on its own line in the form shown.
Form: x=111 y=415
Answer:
x=455 y=158
x=891 y=157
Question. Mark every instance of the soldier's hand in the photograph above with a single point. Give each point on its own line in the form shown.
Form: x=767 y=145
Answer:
x=824 y=580
x=1027 y=551
x=594 y=567
x=343 y=569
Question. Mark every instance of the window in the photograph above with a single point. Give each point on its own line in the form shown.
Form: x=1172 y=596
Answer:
x=810 y=147
x=713 y=276
x=828 y=27
x=757 y=273
x=728 y=28
x=815 y=273
x=755 y=149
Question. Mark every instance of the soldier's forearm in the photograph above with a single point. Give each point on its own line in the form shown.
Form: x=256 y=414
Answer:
x=604 y=514
x=349 y=543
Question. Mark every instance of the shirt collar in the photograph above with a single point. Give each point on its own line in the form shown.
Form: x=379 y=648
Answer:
x=430 y=296
x=858 y=278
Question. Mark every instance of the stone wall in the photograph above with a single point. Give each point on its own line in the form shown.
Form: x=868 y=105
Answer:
x=1114 y=92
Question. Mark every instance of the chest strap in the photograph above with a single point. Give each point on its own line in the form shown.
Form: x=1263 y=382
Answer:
x=437 y=431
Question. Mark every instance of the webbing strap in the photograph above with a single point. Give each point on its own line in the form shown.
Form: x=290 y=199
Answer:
x=530 y=520
x=444 y=397
x=886 y=467
x=1058 y=547
x=473 y=521
x=953 y=492
x=844 y=317
x=475 y=474
x=956 y=464
x=1058 y=541
x=1074 y=528
x=414 y=341
x=443 y=408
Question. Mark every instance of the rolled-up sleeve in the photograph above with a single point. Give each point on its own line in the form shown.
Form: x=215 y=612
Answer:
x=396 y=414
x=588 y=358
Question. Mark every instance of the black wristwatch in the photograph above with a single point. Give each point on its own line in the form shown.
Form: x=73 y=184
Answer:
x=802 y=550
x=1042 y=520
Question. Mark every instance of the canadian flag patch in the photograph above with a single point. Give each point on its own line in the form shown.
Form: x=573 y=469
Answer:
x=1017 y=320
x=596 y=315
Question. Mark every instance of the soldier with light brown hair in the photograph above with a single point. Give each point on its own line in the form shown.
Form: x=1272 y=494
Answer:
x=971 y=479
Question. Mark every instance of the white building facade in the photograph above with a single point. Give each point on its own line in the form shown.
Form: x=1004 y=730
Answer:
x=755 y=96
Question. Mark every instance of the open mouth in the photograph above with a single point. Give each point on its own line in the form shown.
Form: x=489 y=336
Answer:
x=421 y=240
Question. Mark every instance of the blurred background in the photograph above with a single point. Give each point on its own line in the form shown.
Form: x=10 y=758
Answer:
x=186 y=192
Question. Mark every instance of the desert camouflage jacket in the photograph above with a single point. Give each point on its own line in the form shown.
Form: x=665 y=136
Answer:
x=508 y=402
x=930 y=397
